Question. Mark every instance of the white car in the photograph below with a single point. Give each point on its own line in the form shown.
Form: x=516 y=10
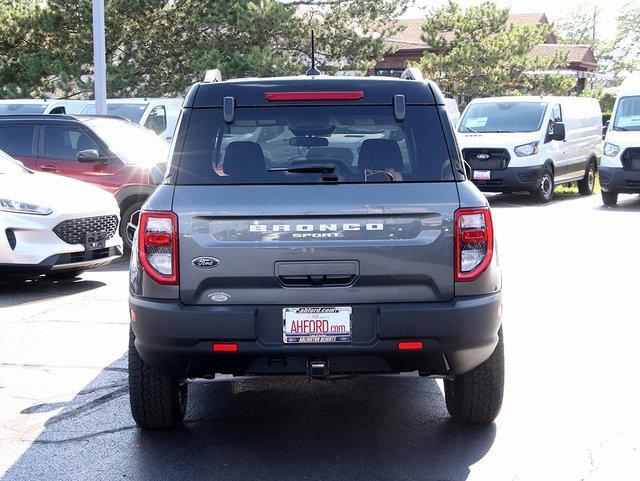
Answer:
x=620 y=168
x=53 y=225
x=40 y=106
x=157 y=114
x=532 y=143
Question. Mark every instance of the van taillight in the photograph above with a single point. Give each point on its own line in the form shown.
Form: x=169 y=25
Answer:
x=473 y=242
x=158 y=246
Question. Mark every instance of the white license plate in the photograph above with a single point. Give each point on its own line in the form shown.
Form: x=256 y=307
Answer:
x=316 y=324
x=482 y=174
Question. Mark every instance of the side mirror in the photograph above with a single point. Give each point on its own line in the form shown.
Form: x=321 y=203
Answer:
x=157 y=174
x=557 y=131
x=90 y=155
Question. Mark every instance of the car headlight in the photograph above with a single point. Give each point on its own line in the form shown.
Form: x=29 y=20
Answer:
x=611 y=150
x=527 y=149
x=18 y=207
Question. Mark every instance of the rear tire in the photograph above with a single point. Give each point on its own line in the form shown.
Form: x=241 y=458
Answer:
x=544 y=192
x=586 y=185
x=128 y=224
x=157 y=401
x=64 y=275
x=609 y=198
x=476 y=397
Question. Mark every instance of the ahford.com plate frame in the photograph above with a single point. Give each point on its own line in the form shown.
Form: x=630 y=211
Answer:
x=324 y=311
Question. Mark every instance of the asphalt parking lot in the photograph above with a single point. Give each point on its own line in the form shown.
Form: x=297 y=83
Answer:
x=570 y=411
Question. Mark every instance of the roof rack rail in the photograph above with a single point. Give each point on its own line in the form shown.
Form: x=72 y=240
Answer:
x=213 y=75
x=412 y=73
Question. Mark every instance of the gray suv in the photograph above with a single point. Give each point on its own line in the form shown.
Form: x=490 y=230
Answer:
x=319 y=226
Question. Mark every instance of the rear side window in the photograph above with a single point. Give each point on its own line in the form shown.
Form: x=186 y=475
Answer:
x=297 y=145
x=64 y=143
x=17 y=140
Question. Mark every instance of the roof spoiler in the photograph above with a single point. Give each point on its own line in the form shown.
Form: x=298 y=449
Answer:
x=213 y=75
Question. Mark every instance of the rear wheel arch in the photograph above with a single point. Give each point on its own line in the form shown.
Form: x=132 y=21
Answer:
x=130 y=200
x=134 y=201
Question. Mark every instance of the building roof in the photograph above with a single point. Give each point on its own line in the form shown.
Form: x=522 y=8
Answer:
x=582 y=54
x=409 y=42
x=411 y=36
x=528 y=18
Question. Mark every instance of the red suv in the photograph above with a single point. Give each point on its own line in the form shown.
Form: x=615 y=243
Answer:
x=112 y=153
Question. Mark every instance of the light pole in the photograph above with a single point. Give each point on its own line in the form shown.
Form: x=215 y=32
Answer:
x=99 y=67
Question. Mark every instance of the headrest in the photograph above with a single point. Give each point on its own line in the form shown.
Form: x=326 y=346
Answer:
x=380 y=154
x=244 y=161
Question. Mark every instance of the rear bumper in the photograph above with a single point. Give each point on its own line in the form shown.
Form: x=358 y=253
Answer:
x=512 y=179
x=177 y=339
x=615 y=179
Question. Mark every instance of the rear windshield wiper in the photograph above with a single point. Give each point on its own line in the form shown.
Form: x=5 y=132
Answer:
x=306 y=169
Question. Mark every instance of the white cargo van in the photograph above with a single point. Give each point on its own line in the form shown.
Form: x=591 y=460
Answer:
x=451 y=105
x=157 y=114
x=620 y=168
x=532 y=143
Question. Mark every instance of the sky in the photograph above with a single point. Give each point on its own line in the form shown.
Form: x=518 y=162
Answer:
x=553 y=8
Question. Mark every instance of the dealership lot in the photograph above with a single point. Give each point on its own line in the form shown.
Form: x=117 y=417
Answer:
x=570 y=412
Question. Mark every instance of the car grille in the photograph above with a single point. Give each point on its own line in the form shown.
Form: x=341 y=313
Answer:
x=497 y=158
x=631 y=159
x=74 y=231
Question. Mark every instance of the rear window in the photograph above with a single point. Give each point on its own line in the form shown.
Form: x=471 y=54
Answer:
x=294 y=145
x=19 y=109
x=131 y=112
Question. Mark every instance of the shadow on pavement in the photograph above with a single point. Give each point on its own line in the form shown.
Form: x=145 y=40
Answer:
x=626 y=203
x=122 y=264
x=527 y=200
x=368 y=428
x=42 y=288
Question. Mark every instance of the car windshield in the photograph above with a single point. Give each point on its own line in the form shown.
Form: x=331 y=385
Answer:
x=503 y=117
x=133 y=111
x=134 y=144
x=627 y=114
x=294 y=145
x=8 y=165
x=17 y=109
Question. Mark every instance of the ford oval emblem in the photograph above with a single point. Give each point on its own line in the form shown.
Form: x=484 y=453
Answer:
x=219 y=297
x=482 y=156
x=205 y=262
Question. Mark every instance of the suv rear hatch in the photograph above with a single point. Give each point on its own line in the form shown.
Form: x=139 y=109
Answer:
x=325 y=204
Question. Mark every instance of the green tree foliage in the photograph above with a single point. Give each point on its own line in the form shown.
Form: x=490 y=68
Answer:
x=160 y=47
x=583 y=26
x=626 y=55
x=477 y=53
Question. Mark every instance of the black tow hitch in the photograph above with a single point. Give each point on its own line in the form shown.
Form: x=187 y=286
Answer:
x=318 y=370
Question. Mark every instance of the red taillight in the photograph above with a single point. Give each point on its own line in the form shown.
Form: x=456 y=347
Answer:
x=225 y=347
x=158 y=246
x=473 y=242
x=325 y=95
x=409 y=345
